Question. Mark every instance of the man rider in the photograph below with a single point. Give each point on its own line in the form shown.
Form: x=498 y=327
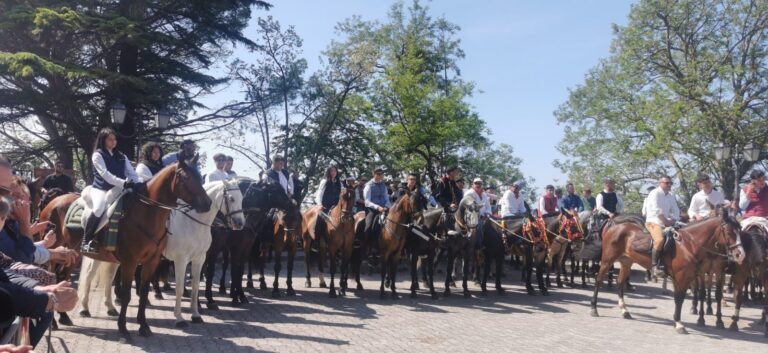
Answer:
x=608 y=204
x=376 y=199
x=662 y=212
x=571 y=201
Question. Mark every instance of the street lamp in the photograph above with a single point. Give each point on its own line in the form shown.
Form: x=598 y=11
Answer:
x=751 y=153
x=118 y=113
x=162 y=118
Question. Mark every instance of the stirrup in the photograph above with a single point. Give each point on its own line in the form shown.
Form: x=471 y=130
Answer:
x=91 y=247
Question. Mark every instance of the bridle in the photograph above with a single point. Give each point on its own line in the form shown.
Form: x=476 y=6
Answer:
x=184 y=209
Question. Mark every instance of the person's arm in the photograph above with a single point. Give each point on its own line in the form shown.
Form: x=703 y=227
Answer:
x=290 y=185
x=143 y=172
x=542 y=209
x=743 y=200
x=693 y=208
x=41 y=255
x=521 y=209
x=130 y=173
x=101 y=168
x=580 y=203
x=169 y=158
x=487 y=206
x=27 y=302
x=320 y=192
x=48 y=183
x=599 y=205
x=367 y=197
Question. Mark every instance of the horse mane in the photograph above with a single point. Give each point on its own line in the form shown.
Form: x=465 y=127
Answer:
x=162 y=175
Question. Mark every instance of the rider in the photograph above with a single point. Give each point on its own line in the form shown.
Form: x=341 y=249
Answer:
x=587 y=199
x=58 y=180
x=277 y=174
x=447 y=192
x=571 y=201
x=218 y=173
x=187 y=149
x=412 y=183
x=481 y=198
x=512 y=204
x=151 y=161
x=493 y=199
x=608 y=204
x=112 y=172
x=376 y=199
x=327 y=196
x=699 y=209
x=643 y=211
x=662 y=212
x=753 y=198
x=359 y=196
x=548 y=202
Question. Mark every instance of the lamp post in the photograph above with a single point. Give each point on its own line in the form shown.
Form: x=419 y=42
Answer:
x=751 y=153
x=162 y=119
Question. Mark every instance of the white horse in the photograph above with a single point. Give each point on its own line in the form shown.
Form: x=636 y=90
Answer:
x=189 y=237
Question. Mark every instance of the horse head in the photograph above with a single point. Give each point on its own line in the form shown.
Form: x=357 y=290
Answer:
x=730 y=236
x=187 y=186
x=263 y=195
x=233 y=205
x=469 y=211
x=347 y=204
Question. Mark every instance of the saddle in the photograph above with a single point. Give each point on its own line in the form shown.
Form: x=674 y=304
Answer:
x=643 y=243
x=82 y=208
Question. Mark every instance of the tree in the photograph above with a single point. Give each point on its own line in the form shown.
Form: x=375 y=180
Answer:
x=64 y=63
x=683 y=76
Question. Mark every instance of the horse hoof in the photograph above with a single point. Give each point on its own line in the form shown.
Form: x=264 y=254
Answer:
x=694 y=311
x=145 y=331
x=382 y=296
x=500 y=291
x=112 y=312
x=630 y=289
x=544 y=292
x=332 y=293
x=307 y=284
x=118 y=301
x=467 y=294
x=212 y=306
x=167 y=288
x=290 y=292
x=720 y=325
x=54 y=325
x=223 y=290
x=197 y=320
x=181 y=324
x=627 y=315
x=65 y=320
x=413 y=295
x=125 y=338
x=235 y=303
x=85 y=313
x=160 y=296
x=594 y=313
x=275 y=293
x=244 y=300
x=734 y=327
x=249 y=285
x=681 y=330
x=263 y=286
x=323 y=285
x=359 y=286
x=447 y=293
x=395 y=296
x=701 y=323
x=709 y=311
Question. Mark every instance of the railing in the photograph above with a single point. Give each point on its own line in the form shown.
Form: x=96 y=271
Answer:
x=17 y=333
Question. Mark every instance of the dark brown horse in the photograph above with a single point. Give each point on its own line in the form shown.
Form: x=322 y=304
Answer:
x=286 y=233
x=394 y=232
x=54 y=209
x=561 y=231
x=526 y=236
x=338 y=237
x=625 y=239
x=142 y=233
x=755 y=240
x=461 y=242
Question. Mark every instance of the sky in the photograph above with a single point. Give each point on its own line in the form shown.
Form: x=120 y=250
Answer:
x=523 y=57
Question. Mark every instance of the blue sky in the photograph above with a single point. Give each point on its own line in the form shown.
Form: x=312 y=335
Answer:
x=522 y=55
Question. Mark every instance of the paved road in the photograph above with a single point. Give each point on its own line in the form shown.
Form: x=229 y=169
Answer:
x=312 y=322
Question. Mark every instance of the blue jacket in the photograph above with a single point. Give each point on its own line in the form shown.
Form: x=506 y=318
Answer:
x=17 y=246
x=573 y=201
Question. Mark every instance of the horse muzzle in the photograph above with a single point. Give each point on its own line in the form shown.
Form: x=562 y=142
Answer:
x=237 y=223
x=737 y=253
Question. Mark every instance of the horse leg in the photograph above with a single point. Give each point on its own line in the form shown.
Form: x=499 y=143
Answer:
x=262 y=263
x=356 y=264
x=719 y=279
x=395 y=262
x=486 y=272
x=528 y=271
x=701 y=293
x=289 y=280
x=323 y=246
x=225 y=255
x=431 y=273
x=127 y=270
x=466 y=258
x=148 y=270
x=307 y=264
x=278 y=267
x=624 y=272
x=332 y=257
x=180 y=272
x=736 y=284
x=414 y=274
x=210 y=268
x=695 y=300
x=604 y=268
x=449 y=272
x=384 y=268
x=679 y=299
x=540 y=269
x=197 y=269
x=709 y=293
x=499 y=269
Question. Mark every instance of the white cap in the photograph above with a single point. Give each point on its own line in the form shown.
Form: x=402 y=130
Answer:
x=477 y=180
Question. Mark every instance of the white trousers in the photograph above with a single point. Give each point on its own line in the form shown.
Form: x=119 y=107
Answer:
x=101 y=199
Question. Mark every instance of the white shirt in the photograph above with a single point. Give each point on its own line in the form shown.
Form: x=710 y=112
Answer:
x=599 y=205
x=320 y=192
x=101 y=168
x=286 y=183
x=216 y=175
x=699 y=205
x=661 y=203
x=143 y=172
x=481 y=199
x=512 y=205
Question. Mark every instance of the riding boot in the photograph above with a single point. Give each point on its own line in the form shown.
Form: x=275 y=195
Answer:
x=658 y=267
x=90 y=244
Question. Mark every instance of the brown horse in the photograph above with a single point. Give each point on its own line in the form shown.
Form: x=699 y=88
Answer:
x=394 y=232
x=338 y=237
x=286 y=233
x=142 y=233
x=54 y=210
x=755 y=240
x=694 y=243
x=526 y=236
x=561 y=231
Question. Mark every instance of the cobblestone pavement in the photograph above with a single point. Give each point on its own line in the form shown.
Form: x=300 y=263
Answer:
x=313 y=322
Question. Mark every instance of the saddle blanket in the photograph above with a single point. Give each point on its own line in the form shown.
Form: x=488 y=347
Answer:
x=755 y=221
x=80 y=210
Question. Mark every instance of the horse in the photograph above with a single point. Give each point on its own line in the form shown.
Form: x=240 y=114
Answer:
x=54 y=209
x=424 y=241
x=693 y=244
x=394 y=232
x=284 y=233
x=338 y=236
x=258 y=199
x=526 y=235
x=461 y=242
x=573 y=252
x=189 y=238
x=142 y=233
x=493 y=251
x=561 y=231
x=755 y=240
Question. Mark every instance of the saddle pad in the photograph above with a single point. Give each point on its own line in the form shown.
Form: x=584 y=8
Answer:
x=78 y=213
x=74 y=216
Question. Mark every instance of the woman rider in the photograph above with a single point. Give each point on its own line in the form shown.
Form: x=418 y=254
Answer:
x=327 y=196
x=151 y=161
x=112 y=172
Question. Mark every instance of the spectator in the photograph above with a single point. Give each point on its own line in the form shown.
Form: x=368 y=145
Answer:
x=218 y=173
x=187 y=150
x=58 y=180
x=228 y=167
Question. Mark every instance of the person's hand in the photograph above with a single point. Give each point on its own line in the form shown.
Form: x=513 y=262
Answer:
x=380 y=209
x=10 y=348
x=49 y=239
x=64 y=256
x=610 y=215
x=38 y=227
x=20 y=211
x=67 y=296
